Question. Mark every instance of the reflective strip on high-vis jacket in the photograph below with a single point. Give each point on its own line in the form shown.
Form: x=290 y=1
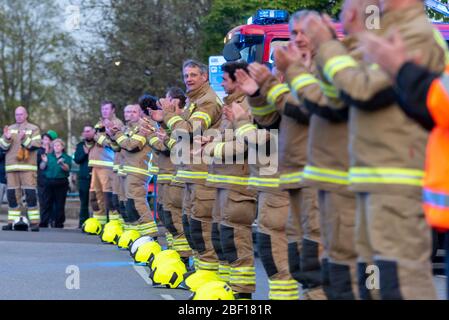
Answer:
x=101 y=163
x=326 y=175
x=276 y=92
x=191 y=174
x=202 y=116
x=215 y=178
x=20 y=167
x=337 y=64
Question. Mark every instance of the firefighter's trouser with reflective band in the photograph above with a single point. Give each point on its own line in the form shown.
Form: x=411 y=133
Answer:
x=339 y=261
x=18 y=183
x=137 y=209
x=115 y=205
x=303 y=234
x=394 y=240
x=197 y=221
x=237 y=212
x=223 y=265
x=101 y=193
x=272 y=245
x=173 y=200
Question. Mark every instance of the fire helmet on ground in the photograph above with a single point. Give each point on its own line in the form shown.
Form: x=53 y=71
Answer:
x=92 y=226
x=196 y=279
x=137 y=243
x=214 y=290
x=127 y=238
x=147 y=251
x=162 y=257
x=169 y=274
x=111 y=233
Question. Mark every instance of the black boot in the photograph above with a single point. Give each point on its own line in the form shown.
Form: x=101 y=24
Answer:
x=8 y=227
x=243 y=296
x=34 y=227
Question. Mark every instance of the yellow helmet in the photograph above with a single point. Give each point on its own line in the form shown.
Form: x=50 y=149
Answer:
x=214 y=290
x=111 y=233
x=92 y=226
x=127 y=238
x=195 y=280
x=147 y=251
x=169 y=274
x=162 y=257
x=137 y=243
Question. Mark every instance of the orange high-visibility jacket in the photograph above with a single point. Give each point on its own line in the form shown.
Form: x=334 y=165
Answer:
x=436 y=182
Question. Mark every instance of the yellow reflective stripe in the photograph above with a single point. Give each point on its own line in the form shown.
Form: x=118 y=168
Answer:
x=264 y=182
x=275 y=92
x=191 y=174
x=172 y=121
x=14 y=131
x=139 y=138
x=191 y=108
x=20 y=167
x=4 y=143
x=215 y=178
x=218 y=150
x=153 y=170
x=374 y=66
x=129 y=169
x=27 y=142
x=284 y=296
x=328 y=90
x=164 y=177
x=326 y=175
x=101 y=139
x=38 y=137
x=263 y=111
x=170 y=143
x=203 y=116
x=101 y=163
x=411 y=177
x=244 y=129
x=442 y=43
x=291 y=177
x=302 y=81
x=116 y=167
x=120 y=139
x=337 y=64
x=154 y=140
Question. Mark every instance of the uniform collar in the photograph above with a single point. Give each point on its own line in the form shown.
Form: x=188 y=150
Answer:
x=237 y=96
x=198 y=93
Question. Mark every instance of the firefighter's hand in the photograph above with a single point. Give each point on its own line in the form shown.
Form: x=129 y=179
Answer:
x=247 y=84
x=167 y=106
x=319 y=29
x=259 y=72
x=145 y=130
x=286 y=56
x=22 y=135
x=238 y=113
x=6 y=132
x=227 y=111
x=390 y=53
x=162 y=134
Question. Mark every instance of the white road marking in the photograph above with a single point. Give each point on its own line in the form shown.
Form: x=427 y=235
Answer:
x=142 y=271
x=144 y=274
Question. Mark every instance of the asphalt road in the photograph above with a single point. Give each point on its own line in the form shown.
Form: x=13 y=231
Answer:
x=45 y=265
x=41 y=265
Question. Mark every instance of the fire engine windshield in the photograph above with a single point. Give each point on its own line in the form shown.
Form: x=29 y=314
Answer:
x=246 y=47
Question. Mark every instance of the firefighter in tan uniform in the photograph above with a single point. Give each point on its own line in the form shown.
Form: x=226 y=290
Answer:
x=101 y=159
x=234 y=210
x=387 y=153
x=20 y=141
x=170 y=193
x=203 y=111
x=135 y=165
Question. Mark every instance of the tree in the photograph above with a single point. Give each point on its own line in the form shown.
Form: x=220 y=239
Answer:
x=226 y=14
x=31 y=68
x=144 y=45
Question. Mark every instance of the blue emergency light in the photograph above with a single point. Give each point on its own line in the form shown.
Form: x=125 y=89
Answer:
x=269 y=16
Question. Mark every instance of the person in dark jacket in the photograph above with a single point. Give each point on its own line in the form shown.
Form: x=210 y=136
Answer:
x=47 y=138
x=82 y=158
x=2 y=176
x=56 y=166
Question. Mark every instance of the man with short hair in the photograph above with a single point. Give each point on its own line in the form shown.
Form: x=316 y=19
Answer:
x=203 y=111
x=101 y=160
x=21 y=141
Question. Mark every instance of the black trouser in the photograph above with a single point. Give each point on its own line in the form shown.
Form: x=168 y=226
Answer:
x=54 y=196
x=83 y=189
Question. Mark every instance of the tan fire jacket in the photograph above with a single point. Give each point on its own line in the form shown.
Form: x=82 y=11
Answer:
x=165 y=166
x=387 y=149
x=205 y=109
x=102 y=154
x=136 y=155
x=21 y=155
x=231 y=175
